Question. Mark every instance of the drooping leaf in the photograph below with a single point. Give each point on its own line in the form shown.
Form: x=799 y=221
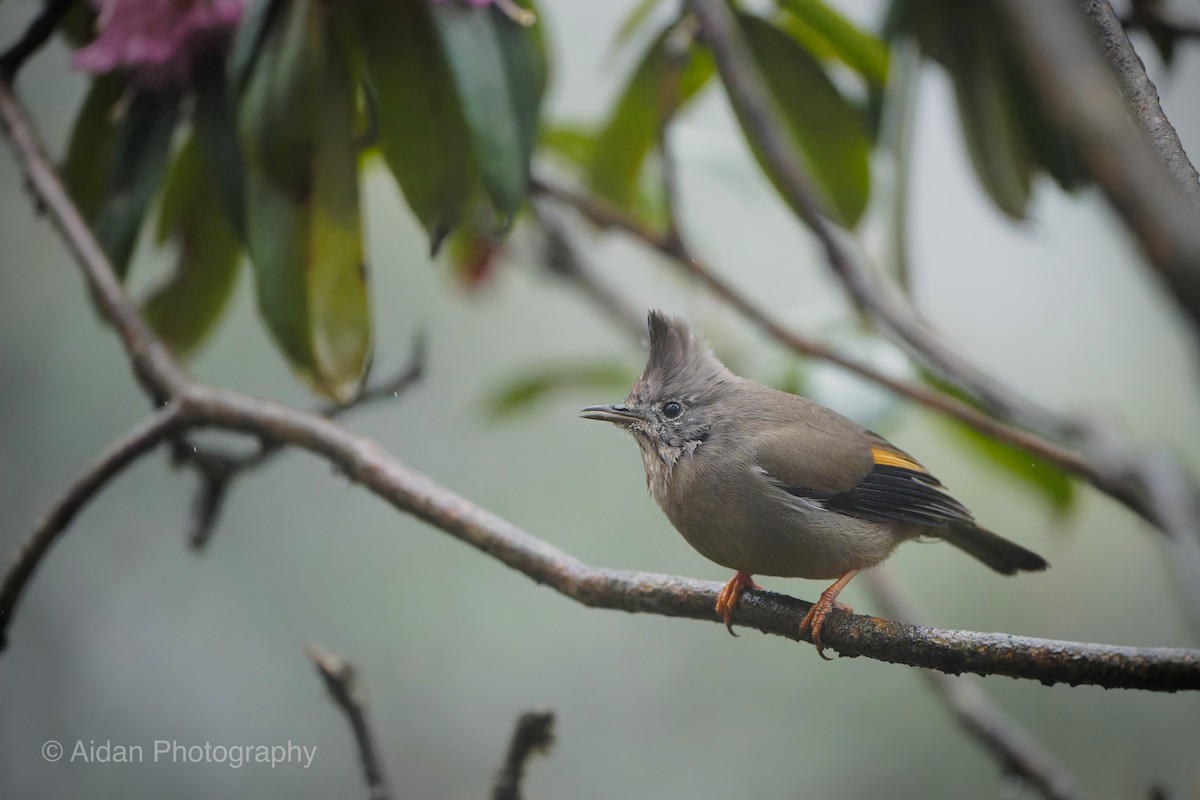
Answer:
x=827 y=132
x=605 y=378
x=215 y=119
x=85 y=169
x=633 y=126
x=256 y=21
x=965 y=39
x=857 y=49
x=477 y=45
x=423 y=135
x=296 y=123
x=135 y=172
x=184 y=308
x=991 y=119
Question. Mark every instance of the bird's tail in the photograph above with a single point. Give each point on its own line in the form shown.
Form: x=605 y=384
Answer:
x=997 y=552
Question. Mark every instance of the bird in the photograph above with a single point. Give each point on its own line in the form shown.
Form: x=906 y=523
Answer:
x=765 y=482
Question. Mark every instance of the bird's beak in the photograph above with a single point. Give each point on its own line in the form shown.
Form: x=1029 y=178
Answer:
x=619 y=414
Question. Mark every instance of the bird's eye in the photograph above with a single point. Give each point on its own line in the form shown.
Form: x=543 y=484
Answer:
x=672 y=410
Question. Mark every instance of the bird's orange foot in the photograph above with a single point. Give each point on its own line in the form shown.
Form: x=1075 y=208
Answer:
x=729 y=594
x=816 y=615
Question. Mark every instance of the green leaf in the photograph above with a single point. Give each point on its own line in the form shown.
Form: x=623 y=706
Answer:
x=991 y=119
x=257 y=20
x=85 y=169
x=574 y=143
x=296 y=121
x=633 y=127
x=827 y=132
x=135 y=171
x=496 y=94
x=1047 y=478
x=215 y=119
x=632 y=22
x=522 y=393
x=423 y=135
x=965 y=39
x=184 y=308
x=862 y=52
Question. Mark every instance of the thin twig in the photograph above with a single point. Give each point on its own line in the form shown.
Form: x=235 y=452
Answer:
x=342 y=683
x=533 y=734
x=115 y=458
x=564 y=259
x=217 y=468
x=153 y=364
x=364 y=461
x=1015 y=747
x=36 y=35
x=1152 y=190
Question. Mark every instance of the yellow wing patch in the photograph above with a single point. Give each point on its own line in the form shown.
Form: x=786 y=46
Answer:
x=893 y=458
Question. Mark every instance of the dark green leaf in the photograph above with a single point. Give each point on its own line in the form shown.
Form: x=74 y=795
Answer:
x=422 y=133
x=575 y=143
x=522 y=393
x=492 y=106
x=828 y=133
x=296 y=121
x=85 y=169
x=965 y=39
x=139 y=159
x=860 y=51
x=184 y=308
x=256 y=21
x=633 y=127
x=215 y=119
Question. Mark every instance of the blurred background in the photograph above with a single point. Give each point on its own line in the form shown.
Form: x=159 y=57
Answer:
x=128 y=636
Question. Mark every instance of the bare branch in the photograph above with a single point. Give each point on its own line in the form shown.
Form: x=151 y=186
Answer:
x=116 y=457
x=36 y=35
x=564 y=260
x=1016 y=749
x=153 y=364
x=217 y=469
x=533 y=734
x=342 y=683
x=1141 y=96
x=1075 y=87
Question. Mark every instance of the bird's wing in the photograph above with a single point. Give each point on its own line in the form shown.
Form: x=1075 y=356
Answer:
x=888 y=485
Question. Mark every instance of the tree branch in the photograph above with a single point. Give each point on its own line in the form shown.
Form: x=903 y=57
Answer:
x=120 y=454
x=1075 y=88
x=195 y=405
x=218 y=469
x=533 y=734
x=1141 y=96
x=36 y=35
x=342 y=683
x=1016 y=749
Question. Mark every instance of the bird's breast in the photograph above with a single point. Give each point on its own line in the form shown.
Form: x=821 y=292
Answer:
x=732 y=515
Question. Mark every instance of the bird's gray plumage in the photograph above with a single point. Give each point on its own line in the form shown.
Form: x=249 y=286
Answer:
x=770 y=483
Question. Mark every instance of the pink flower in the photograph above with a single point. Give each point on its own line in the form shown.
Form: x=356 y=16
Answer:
x=158 y=41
